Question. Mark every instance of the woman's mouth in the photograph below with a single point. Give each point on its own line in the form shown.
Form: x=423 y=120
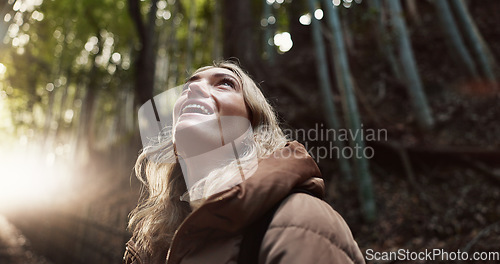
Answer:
x=197 y=109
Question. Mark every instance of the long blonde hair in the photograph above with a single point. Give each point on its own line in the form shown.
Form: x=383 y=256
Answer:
x=160 y=210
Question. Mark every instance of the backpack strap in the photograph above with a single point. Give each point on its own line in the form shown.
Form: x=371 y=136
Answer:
x=254 y=234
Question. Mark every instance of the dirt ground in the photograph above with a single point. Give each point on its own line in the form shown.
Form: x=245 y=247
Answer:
x=14 y=247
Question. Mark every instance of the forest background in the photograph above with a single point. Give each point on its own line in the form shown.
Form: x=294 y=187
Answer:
x=73 y=74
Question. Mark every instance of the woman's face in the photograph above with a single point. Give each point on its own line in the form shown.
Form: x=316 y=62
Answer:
x=207 y=97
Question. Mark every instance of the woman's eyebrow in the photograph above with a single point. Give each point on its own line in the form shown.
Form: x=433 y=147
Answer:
x=216 y=75
x=222 y=75
x=193 y=78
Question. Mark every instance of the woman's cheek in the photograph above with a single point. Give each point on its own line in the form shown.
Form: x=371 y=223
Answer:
x=177 y=107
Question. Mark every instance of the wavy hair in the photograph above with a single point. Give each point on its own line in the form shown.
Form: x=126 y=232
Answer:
x=160 y=211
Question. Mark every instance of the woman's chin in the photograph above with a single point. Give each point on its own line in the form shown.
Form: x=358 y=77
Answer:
x=196 y=134
x=187 y=120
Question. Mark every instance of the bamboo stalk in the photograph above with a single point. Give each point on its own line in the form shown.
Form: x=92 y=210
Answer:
x=351 y=113
x=332 y=119
x=454 y=37
x=410 y=71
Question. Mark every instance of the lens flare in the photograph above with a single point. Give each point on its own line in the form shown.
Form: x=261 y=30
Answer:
x=29 y=178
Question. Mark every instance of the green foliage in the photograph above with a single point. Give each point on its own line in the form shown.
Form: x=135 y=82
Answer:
x=58 y=32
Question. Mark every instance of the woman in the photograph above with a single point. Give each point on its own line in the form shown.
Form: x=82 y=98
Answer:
x=228 y=196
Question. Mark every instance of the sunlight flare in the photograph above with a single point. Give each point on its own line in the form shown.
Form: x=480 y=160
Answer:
x=26 y=178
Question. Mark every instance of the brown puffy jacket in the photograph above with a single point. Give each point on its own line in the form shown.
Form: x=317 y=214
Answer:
x=304 y=228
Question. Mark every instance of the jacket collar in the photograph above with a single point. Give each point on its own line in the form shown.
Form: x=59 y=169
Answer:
x=229 y=212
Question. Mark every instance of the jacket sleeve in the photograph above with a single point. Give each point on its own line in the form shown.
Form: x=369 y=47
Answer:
x=307 y=230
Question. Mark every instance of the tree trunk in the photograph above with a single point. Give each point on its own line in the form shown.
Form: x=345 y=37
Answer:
x=331 y=115
x=163 y=58
x=85 y=138
x=268 y=34
x=347 y=36
x=344 y=81
x=88 y=106
x=480 y=49
x=239 y=35
x=384 y=40
x=145 y=60
x=454 y=38
x=190 y=35
x=174 y=74
x=62 y=107
x=217 y=49
x=49 y=118
x=410 y=71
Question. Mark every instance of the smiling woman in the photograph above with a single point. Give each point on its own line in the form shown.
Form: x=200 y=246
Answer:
x=208 y=95
x=223 y=185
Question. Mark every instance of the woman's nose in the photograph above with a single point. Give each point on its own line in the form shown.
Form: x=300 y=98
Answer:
x=198 y=89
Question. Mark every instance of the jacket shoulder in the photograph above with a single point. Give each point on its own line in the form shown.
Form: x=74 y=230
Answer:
x=305 y=228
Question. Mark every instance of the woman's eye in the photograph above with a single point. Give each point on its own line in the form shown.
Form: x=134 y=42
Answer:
x=227 y=82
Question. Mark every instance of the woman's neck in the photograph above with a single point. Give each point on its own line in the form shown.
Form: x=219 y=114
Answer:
x=200 y=166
